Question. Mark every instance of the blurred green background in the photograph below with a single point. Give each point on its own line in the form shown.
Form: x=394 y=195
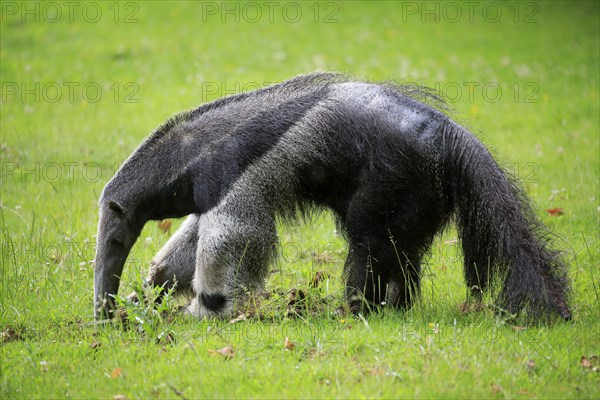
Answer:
x=82 y=83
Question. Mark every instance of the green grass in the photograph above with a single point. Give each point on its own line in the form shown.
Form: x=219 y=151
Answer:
x=57 y=152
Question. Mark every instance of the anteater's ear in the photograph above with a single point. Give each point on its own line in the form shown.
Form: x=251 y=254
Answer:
x=116 y=207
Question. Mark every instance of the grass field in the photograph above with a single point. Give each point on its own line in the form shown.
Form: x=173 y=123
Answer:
x=84 y=82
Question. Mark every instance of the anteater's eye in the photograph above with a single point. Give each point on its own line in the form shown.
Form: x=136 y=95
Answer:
x=116 y=207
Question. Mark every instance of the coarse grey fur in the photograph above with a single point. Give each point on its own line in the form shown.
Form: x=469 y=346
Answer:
x=392 y=169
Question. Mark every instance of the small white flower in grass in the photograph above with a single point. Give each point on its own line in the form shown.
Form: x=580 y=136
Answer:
x=280 y=56
x=523 y=70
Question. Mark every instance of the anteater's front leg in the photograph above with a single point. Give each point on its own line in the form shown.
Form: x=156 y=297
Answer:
x=174 y=265
x=234 y=249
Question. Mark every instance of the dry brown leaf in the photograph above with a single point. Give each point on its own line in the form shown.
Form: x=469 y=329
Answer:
x=295 y=296
x=496 y=388
x=9 y=335
x=323 y=258
x=590 y=363
x=471 y=306
x=319 y=276
x=165 y=226
x=166 y=338
x=555 y=211
x=95 y=345
x=117 y=372
x=375 y=371
x=122 y=314
x=239 y=318
x=288 y=344
x=295 y=304
x=226 y=352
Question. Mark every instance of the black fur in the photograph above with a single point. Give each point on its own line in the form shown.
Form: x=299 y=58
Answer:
x=394 y=170
x=214 y=302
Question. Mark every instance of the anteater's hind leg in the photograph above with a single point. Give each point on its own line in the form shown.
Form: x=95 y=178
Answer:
x=383 y=265
x=478 y=271
x=378 y=272
x=389 y=231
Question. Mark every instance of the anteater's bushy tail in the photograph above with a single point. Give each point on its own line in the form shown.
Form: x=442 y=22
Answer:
x=502 y=239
